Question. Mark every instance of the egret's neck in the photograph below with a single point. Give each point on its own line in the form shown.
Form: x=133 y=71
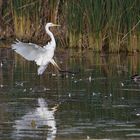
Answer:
x=50 y=34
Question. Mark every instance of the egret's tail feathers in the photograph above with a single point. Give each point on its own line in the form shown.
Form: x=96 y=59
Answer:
x=41 y=69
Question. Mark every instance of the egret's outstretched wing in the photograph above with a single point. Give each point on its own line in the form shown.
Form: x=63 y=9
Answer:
x=29 y=51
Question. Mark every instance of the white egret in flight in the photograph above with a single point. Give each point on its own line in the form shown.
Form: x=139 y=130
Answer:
x=41 y=55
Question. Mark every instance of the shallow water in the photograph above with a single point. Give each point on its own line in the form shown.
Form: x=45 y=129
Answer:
x=100 y=101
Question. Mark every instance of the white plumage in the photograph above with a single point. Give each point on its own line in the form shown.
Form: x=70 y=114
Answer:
x=41 y=55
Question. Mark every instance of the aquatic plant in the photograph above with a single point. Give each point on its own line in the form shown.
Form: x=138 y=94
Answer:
x=96 y=24
x=113 y=23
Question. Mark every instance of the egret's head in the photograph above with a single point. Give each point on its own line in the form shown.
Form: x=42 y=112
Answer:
x=51 y=25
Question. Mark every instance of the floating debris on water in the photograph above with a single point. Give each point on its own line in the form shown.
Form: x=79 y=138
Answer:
x=138 y=114
x=110 y=95
x=122 y=84
x=1 y=64
x=19 y=84
x=33 y=124
x=93 y=94
x=24 y=90
x=69 y=94
x=1 y=86
x=75 y=81
x=53 y=74
x=88 y=137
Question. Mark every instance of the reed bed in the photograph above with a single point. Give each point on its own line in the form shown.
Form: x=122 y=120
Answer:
x=100 y=25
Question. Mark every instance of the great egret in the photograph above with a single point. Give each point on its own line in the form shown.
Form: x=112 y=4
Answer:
x=41 y=55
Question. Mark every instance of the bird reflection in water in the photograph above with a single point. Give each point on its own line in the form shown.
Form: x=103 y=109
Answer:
x=34 y=123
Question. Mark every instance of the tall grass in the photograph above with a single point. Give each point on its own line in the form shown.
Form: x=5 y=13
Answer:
x=104 y=22
x=74 y=23
x=94 y=24
x=26 y=17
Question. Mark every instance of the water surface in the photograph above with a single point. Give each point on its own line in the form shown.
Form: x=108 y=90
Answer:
x=99 y=102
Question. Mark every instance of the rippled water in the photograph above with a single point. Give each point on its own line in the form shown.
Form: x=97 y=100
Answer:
x=99 y=102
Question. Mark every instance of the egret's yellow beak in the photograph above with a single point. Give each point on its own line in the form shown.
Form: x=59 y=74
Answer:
x=56 y=25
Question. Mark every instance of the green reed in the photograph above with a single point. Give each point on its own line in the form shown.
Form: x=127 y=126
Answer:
x=74 y=23
x=25 y=17
x=95 y=21
x=85 y=24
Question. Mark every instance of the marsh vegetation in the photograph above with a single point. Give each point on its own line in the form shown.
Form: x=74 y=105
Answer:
x=106 y=25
